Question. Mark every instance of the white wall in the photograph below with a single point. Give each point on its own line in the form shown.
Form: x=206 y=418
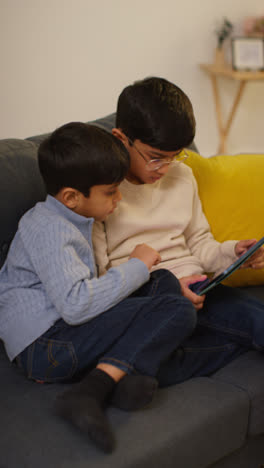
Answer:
x=64 y=60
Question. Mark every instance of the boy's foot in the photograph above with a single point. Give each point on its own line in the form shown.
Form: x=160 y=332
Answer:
x=134 y=392
x=83 y=405
x=85 y=413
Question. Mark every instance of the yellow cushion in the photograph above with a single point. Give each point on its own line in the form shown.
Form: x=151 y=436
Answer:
x=231 y=189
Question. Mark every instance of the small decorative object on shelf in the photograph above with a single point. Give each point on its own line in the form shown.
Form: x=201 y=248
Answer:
x=254 y=26
x=219 y=57
x=248 y=53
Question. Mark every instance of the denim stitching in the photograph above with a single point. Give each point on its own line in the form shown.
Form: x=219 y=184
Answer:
x=154 y=287
x=211 y=348
x=231 y=332
x=51 y=359
x=54 y=363
x=221 y=328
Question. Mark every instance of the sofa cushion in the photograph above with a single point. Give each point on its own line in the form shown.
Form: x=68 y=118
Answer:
x=209 y=417
x=232 y=194
x=247 y=373
x=106 y=123
x=21 y=186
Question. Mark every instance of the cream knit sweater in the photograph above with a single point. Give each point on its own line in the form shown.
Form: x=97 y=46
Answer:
x=168 y=216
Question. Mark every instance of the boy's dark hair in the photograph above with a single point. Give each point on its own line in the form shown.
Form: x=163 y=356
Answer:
x=157 y=113
x=79 y=156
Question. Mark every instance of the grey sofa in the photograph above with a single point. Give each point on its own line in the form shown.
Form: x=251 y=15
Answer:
x=215 y=421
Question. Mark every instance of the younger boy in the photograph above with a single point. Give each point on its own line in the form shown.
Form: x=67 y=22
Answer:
x=58 y=319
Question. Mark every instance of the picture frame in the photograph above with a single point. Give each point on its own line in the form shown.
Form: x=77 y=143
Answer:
x=248 y=53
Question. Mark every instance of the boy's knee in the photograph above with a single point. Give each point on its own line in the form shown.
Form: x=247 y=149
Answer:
x=167 y=280
x=179 y=312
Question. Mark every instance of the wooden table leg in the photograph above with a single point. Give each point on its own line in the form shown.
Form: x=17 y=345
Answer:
x=223 y=130
x=234 y=107
x=219 y=116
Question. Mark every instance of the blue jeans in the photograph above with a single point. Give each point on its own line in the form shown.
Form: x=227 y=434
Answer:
x=230 y=323
x=136 y=335
x=154 y=332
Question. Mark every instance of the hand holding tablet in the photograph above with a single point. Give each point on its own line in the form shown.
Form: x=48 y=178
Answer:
x=203 y=287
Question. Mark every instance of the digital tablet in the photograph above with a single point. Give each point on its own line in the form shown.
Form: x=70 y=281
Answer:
x=202 y=287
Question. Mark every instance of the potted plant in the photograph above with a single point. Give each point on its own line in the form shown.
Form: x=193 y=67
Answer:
x=223 y=32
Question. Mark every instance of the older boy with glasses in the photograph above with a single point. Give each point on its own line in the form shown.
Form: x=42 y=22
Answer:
x=161 y=206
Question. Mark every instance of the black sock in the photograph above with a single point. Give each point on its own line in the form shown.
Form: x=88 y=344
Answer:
x=134 y=392
x=83 y=405
x=97 y=384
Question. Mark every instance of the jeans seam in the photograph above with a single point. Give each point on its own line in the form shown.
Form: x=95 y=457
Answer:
x=210 y=349
x=230 y=331
x=154 y=287
x=51 y=359
x=53 y=362
x=70 y=348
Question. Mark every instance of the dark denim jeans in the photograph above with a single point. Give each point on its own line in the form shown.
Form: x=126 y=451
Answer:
x=136 y=335
x=230 y=323
x=153 y=332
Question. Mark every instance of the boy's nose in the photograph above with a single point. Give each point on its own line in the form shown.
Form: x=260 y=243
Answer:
x=163 y=169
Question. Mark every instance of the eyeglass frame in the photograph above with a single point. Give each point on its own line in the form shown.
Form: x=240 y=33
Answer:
x=177 y=158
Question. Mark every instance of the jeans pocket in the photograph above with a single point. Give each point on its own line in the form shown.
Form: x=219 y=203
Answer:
x=49 y=360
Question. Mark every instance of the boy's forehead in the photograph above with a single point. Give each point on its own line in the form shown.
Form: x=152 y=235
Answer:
x=164 y=154
x=158 y=152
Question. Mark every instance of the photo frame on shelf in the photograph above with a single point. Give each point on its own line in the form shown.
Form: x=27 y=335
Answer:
x=248 y=53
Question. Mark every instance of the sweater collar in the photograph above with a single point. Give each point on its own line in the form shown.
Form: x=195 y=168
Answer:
x=58 y=207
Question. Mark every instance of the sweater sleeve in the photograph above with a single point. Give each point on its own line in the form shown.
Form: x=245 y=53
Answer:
x=213 y=255
x=64 y=264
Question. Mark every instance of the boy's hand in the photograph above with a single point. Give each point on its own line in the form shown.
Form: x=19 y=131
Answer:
x=185 y=282
x=256 y=261
x=146 y=254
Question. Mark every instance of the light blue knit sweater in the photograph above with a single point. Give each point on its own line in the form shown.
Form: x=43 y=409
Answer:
x=50 y=273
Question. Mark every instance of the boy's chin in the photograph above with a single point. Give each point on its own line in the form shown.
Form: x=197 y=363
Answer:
x=154 y=179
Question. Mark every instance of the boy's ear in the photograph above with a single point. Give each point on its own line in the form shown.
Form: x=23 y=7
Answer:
x=117 y=132
x=69 y=197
